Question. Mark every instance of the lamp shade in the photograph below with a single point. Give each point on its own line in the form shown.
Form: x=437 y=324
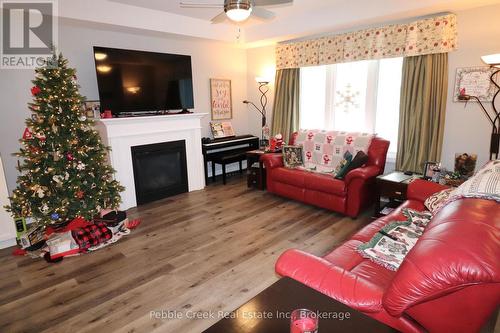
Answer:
x=261 y=79
x=492 y=59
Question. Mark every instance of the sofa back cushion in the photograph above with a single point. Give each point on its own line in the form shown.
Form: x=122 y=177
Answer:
x=459 y=248
x=324 y=150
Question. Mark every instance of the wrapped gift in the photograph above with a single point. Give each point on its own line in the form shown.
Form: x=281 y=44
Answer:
x=33 y=236
x=62 y=244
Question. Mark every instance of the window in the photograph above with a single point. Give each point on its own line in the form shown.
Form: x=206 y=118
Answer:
x=357 y=96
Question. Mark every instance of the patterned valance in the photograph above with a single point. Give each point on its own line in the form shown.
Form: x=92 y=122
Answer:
x=426 y=36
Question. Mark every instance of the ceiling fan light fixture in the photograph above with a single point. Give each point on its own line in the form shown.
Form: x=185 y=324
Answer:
x=238 y=11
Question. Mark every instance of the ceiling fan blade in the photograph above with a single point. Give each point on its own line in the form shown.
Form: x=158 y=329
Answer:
x=270 y=2
x=185 y=4
x=219 y=18
x=262 y=13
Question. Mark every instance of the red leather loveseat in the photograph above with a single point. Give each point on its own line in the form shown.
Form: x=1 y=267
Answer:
x=348 y=196
x=448 y=282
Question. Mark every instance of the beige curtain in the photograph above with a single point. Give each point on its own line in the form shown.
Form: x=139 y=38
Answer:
x=286 y=102
x=422 y=111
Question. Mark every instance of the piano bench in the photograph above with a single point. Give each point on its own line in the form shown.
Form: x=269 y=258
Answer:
x=223 y=160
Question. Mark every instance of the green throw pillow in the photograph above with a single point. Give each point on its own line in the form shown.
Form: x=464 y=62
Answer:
x=343 y=166
x=358 y=161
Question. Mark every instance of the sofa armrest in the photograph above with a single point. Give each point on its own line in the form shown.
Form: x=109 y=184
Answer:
x=331 y=280
x=420 y=189
x=365 y=173
x=273 y=160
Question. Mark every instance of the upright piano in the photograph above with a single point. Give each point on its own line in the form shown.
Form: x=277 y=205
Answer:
x=232 y=145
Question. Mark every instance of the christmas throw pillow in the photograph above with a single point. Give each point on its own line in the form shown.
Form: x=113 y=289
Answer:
x=292 y=156
x=437 y=200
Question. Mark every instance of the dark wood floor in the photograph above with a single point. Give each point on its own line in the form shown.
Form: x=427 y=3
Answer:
x=207 y=250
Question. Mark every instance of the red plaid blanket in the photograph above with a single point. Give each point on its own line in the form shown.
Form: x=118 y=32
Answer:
x=91 y=235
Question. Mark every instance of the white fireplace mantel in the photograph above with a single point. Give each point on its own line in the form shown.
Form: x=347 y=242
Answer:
x=123 y=133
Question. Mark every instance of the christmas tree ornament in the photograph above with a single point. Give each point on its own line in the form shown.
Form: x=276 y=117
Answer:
x=44 y=209
x=27 y=135
x=80 y=166
x=54 y=216
x=69 y=156
x=58 y=179
x=54 y=128
x=41 y=137
x=79 y=194
x=82 y=117
x=35 y=90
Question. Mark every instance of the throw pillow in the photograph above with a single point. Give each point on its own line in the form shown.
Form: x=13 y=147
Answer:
x=389 y=246
x=292 y=156
x=437 y=200
x=341 y=168
x=358 y=161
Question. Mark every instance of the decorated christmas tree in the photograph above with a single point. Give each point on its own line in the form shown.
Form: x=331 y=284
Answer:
x=63 y=163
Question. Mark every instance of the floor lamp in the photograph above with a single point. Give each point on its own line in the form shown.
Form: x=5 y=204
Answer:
x=264 y=89
x=494 y=61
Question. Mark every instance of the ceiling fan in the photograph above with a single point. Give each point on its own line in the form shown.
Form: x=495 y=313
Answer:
x=239 y=10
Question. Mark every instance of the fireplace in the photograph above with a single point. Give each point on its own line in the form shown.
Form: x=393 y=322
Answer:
x=121 y=134
x=160 y=170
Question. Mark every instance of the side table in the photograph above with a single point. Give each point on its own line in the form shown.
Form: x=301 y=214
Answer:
x=256 y=176
x=393 y=187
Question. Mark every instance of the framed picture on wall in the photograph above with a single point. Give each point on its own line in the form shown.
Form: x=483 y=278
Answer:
x=476 y=82
x=220 y=99
x=92 y=109
x=430 y=169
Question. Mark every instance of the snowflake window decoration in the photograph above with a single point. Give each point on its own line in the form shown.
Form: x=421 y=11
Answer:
x=348 y=98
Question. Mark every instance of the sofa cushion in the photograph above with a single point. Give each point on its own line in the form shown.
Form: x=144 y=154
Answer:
x=463 y=241
x=324 y=183
x=293 y=177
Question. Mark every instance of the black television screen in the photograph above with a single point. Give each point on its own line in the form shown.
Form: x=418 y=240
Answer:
x=137 y=81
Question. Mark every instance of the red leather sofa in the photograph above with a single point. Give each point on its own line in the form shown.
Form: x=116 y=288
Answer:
x=448 y=282
x=348 y=196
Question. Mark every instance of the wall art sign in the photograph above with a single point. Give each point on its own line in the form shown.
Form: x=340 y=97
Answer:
x=220 y=99
x=476 y=82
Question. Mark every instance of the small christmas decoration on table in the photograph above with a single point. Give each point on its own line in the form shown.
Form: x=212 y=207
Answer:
x=275 y=144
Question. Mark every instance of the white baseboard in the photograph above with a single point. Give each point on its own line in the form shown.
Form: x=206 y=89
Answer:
x=7 y=243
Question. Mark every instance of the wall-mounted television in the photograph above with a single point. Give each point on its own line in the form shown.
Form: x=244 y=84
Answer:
x=138 y=81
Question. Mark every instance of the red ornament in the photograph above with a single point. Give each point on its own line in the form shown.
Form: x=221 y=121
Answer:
x=35 y=90
x=70 y=157
x=34 y=150
x=27 y=134
x=79 y=194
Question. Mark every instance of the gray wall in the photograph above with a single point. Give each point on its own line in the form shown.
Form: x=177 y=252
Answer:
x=210 y=59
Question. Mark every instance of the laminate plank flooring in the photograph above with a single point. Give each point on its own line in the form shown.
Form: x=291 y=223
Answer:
x=210 y=250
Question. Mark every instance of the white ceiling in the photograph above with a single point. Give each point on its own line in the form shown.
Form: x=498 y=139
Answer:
x=303 y=18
